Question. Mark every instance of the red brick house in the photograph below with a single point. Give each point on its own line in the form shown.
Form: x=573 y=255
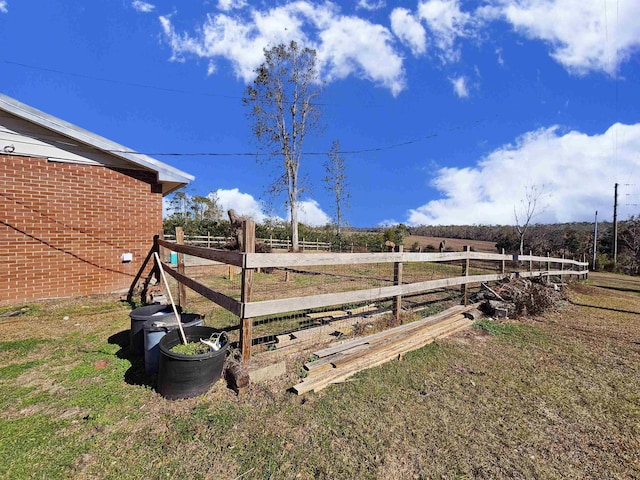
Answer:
x=78 y=212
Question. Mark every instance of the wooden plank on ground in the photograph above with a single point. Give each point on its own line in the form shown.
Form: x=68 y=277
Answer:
x=361 y=310
x=345 y=345
x=410 y=337
x=336 y=375
x=325 y=363
x=317 y=333
x=331 y=314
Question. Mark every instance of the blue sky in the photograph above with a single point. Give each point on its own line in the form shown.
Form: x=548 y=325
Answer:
x=447 y=111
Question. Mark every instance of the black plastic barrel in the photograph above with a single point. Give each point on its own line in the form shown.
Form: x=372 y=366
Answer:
x=155 y=329
x=143 y=314
x=186 y=376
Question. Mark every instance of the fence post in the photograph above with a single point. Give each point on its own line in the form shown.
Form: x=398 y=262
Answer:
x=208 y=239
x=561 y=268
x=530 y=262
x=155 y=270
x=397 y=280
x=182 y=289
x=465 y=273
x=246 y=324
x=503 y=264
x=548 y=268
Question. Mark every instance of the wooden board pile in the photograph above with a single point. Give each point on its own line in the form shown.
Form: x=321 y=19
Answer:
x=337 y=363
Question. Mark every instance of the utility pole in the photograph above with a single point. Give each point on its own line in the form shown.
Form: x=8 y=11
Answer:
x=615 y=225
x=595 y=241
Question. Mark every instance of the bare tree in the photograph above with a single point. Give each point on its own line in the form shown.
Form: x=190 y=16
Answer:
x=630 y=239
x=336 y=182
x=282 y=113
x=528 y=209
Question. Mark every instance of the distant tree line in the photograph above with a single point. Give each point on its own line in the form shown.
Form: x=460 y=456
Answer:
x=203 y=216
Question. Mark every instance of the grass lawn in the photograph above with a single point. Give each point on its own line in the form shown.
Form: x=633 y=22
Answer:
x=553 y=397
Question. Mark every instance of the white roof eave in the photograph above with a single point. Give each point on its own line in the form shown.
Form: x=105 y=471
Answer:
x=166 y=173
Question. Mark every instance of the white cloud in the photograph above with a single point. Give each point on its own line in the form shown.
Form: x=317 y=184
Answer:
x=390 y=222
x=460 y=87
x=584 y=35
x=371 y=4
x=242 y=203
x=310 y=213
x=142 y=6
x=4 y=6
x=446 y=24
x=352 y=46
x=346 y=45
x=227 y=5
x=409 y=30
x=575 y=169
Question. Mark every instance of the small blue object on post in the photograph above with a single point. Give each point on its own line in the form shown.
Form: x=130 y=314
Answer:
x=174 y=257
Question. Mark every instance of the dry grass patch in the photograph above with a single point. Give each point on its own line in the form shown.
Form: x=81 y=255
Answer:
x=557 y=396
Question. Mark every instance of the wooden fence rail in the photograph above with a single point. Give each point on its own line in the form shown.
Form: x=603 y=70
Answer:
x=246 y=309
x=211 y=242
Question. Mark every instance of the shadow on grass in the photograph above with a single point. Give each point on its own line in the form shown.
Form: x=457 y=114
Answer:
x=603 y=308
x=619 y=289
x=136 y=374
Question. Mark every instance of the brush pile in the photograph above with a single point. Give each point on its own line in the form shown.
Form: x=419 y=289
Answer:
x=520 y=297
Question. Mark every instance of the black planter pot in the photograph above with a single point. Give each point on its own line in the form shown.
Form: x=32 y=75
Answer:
x=141 y=315
x=186 y=376
x=155 y=329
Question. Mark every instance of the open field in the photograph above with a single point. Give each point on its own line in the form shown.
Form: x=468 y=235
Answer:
x=453 y=243
x=553 y=397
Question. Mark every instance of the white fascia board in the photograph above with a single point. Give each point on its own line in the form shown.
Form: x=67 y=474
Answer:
x=166 y=173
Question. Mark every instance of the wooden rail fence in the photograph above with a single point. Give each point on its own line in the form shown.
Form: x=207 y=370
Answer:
x=246 y=309
x=275 y=243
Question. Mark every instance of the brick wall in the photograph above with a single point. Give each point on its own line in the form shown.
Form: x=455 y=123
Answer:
x=64 y=227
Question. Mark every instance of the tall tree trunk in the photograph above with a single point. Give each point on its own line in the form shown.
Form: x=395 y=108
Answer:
x=294 y=226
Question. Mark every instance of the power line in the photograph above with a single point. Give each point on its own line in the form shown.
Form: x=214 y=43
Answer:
x=131 y=84
x=120 y=82
x=257 y=154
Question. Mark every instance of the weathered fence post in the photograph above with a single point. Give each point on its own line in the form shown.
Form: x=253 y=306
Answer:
x=561 y=268
x=530 y=262
x=246 y=324
x=465 y=273
x=585 y=268
x=548 y=268
x=397 y=280
x=182 y=289
x=502 y=269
